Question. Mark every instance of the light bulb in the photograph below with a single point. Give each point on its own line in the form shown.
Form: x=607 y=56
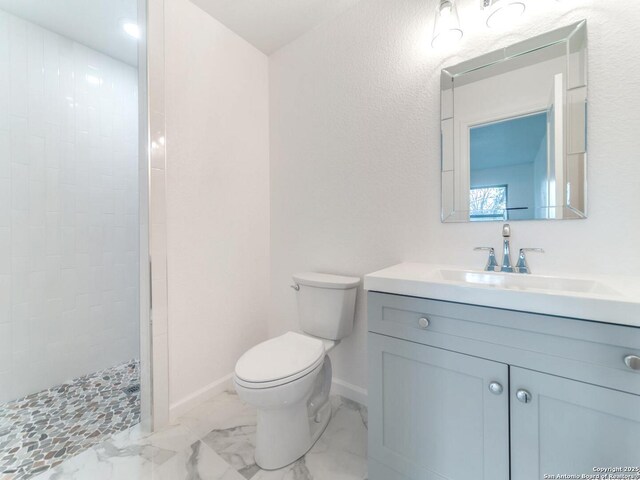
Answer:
x=446 y=29
x=504 y=12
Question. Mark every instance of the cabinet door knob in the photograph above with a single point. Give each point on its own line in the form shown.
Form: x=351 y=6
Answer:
x=523 y=396
x=423 y=322
x=495 y=388
x=632 y=361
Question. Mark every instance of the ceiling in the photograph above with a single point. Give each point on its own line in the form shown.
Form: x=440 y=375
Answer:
x=94 y=23
x=271 y=24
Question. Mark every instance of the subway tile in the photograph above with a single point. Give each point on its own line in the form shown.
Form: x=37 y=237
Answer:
x=4 y=94
x=68 y=294
x=52 y=146
x=5 y=202
x=36 y=158
x=37 y=247
x=18 y=76
x=19 y=289
x=37 y=203
x=5 y=347
x=37 y=289
x=19 y=187
x=19 y=140
x=35 y=72
x=67 y=163
x=4 y=37
x=5 y=298
x=5 y=152
x=20 y=327
x=53 y=234
x=35 y=59
x=68 y=204
x=19 y=239
x=5 y=251
x=53 y=189
x=19 y=264
x=68 y=248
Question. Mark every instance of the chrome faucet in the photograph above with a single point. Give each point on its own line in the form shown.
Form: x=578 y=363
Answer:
x=492 y=263
x=506 y=253
x=521 y=266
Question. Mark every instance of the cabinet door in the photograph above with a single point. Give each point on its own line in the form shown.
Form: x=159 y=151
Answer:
x=432 y=415
x=570 y=427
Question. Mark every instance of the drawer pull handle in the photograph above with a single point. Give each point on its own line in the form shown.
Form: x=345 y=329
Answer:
x=495 y=388
x=632 y=361
x=523 y=396
x=423 y=322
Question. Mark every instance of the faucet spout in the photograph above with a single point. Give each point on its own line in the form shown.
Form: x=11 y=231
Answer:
x=506 y=249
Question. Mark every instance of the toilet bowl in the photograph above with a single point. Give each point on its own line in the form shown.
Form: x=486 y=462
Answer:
x=293 y=410
x=288 y=378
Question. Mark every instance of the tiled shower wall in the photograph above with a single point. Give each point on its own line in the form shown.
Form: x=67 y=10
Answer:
x=68 y=209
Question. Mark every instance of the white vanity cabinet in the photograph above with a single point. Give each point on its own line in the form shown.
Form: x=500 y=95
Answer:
x=466 y=392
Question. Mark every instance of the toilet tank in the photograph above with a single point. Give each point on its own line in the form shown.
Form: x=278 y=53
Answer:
x=326 y=304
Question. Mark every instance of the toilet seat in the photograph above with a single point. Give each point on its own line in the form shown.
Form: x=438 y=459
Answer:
x=279 y=361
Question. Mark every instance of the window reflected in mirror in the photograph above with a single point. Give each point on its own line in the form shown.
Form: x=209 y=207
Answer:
x=488 y=203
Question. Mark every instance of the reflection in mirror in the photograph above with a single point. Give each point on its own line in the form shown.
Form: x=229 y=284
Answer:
x=514 y=132
x=509 y=168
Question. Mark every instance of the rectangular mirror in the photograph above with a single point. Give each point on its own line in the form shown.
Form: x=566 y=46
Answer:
x=513 y=129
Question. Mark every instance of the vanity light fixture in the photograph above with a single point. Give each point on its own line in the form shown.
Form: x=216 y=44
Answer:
x=502 y=12
x=446 y=29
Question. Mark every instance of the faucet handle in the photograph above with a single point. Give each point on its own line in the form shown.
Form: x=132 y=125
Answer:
x=492 y=263
x=522 y=266
x=506 y=230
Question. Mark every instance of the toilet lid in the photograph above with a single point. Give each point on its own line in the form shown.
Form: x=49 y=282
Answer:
x=280 y=357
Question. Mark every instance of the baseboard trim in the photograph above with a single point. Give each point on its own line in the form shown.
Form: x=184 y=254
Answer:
x=181 y=407
x=350 y=391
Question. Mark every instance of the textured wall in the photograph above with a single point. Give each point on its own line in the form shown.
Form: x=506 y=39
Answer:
x=355 y=182
x=217 y=199
x=68 y=209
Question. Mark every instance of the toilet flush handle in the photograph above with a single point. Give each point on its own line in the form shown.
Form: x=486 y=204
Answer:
x=295 y=286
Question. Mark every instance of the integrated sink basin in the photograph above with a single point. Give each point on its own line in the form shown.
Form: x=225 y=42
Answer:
x=609 y=299
x=516 y=281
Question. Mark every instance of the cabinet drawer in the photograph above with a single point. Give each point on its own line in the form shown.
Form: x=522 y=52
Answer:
x=588 y=351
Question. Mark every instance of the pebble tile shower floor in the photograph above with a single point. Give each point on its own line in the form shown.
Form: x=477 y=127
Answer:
x=41 y=430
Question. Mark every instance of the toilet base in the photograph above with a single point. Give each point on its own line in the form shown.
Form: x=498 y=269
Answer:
x=282 y=439
x=288 y=428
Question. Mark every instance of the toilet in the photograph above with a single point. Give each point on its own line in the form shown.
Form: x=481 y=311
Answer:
x=288 y=378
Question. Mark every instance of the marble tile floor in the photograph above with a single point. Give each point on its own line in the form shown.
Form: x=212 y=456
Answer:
x=215 y=441
x=43 y=429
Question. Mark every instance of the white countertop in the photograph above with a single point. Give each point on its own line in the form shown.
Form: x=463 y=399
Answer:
x=612 y=299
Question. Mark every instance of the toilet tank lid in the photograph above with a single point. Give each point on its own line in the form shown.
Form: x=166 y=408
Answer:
x=325 y=280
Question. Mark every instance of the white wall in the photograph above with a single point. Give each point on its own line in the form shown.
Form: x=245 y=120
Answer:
x=68 y=209
x=355 y=182
x=217 y=200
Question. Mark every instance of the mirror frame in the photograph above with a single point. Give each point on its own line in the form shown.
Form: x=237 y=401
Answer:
x=574 y=148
